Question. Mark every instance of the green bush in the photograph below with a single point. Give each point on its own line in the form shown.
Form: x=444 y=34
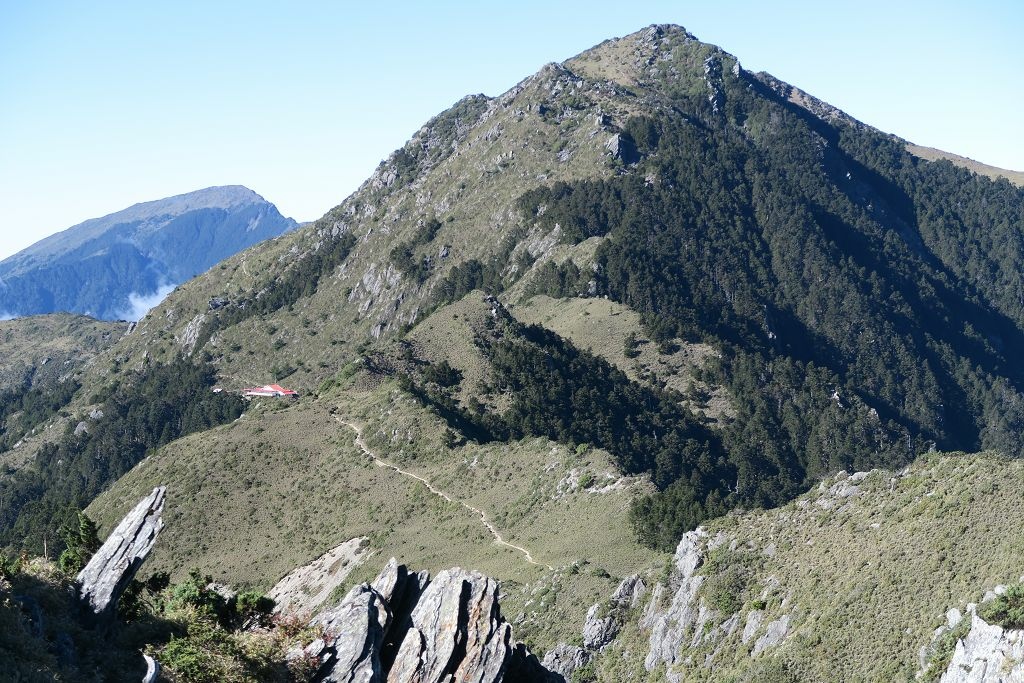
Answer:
x=1006 y=610
x=82 y=541
x=726 y=584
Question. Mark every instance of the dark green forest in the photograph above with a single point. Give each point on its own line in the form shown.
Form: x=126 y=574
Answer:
x=868 y=305
x=23 y=408
x=157 y=405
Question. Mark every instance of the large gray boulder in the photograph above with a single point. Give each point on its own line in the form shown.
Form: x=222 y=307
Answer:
x=456 y=630
x=564 y=659
x=111 y=569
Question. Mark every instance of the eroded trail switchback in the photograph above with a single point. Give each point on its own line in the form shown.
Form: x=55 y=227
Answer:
x=380 y=462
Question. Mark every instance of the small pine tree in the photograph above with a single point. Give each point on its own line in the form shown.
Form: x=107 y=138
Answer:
x=82 y=541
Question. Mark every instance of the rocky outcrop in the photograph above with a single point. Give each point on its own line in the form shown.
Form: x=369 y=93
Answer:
x=356 y=629
x=105 y=577
x=456 y=630
x=967 y=648
x=670 y=627
x=306 y=588
x=605 y=620
x=603 y=623
x=564 y=660
x=622 y=147
x=152 y=674
x=406 y=628
x=774 y=634
x=987 y=654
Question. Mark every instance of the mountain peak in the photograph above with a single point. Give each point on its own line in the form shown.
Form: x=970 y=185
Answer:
x=645 y=56
x=99 y=267
x=217 y=197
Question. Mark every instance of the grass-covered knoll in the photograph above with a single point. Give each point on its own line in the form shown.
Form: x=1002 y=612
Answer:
x=615 y=332
x=865 y=570
x=450 y=335
x=250 y=501
x=528 y=381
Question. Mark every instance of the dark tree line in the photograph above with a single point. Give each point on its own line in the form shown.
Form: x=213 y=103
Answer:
x=23 y=408
x=867 y=304
x=158 y=405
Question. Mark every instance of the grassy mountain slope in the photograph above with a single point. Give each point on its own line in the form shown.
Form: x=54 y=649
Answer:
x=43 y=350
x=865 y=571
x=40 y=357
x=706 y=284
x=278 y=487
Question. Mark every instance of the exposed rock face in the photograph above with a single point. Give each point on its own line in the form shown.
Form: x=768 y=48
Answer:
x=987 y=654
x=669 y=627
x=458 y=611
x=774 y=634
x=405 y=628
x=622 y=147
x=599 y=630
x=108 y=573
x=603 y=623
x=152 y=670
x=304 y=590
x=984 y=653
x=356 y=626
x=564 y=660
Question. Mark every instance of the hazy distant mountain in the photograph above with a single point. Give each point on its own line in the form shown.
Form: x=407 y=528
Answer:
x=121 y=265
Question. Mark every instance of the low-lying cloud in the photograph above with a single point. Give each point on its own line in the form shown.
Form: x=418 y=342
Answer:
x=140 y=304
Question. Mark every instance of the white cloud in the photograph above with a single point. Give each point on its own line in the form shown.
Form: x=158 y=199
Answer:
x=4 y=315
x=139 y=304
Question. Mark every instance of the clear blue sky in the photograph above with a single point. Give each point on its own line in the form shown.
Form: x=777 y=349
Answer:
x=104 y=104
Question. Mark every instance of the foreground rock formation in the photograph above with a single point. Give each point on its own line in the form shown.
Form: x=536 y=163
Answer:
x=987 y=654
x=111 y=569
x=970 y=648
x=304 y=589
x=405 y=627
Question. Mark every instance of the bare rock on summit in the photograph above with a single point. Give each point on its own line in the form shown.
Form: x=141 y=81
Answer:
x=104 y=578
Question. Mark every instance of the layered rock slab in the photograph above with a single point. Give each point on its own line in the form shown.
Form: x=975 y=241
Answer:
x=407 y=628
x=111 y=569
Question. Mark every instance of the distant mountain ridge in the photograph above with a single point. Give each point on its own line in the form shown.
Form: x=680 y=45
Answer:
x=120 y=265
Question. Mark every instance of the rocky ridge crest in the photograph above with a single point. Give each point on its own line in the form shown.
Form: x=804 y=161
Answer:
x=405 y=627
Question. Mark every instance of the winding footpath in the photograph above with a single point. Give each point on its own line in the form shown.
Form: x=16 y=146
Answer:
x=438 y=492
